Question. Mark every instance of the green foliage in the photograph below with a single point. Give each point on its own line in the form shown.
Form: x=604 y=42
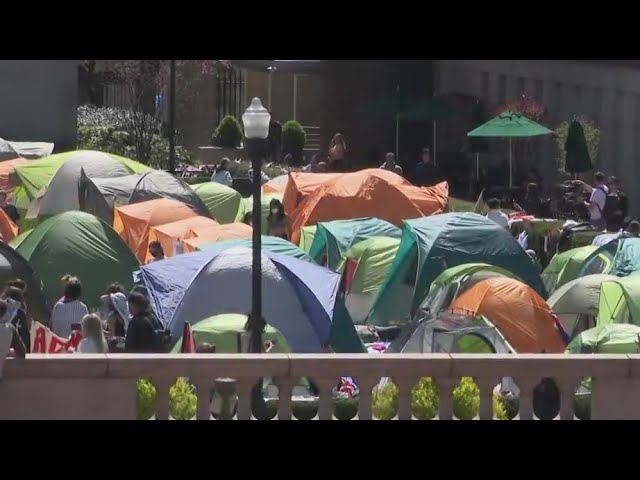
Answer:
x=182 y=400
x=591 y=135
x=426 y=401
x=229 y=133
x=146 y=399
x=293 y=138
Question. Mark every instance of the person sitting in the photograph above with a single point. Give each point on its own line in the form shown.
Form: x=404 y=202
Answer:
x=633 y=230
x=11 y=344
x=612 y=232
x=222 y=174
x=69 y=310
x=117 y=317
x=495 y=214
x=140 y=334
x=278 y=222
x=313 y=164
x=93 y=340
x=390 y=164
x=264 y=178
x=156 y=251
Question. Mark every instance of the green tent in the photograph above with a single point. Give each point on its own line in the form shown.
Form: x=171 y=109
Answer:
x=613 y=338
x=430 y=245
x=621 y=258
x=269 y=243
x=565 y=266
x=223 y=332
x=372 y=259
x=333 y=239
x=224 y=203
x=307 y=234
x=79 y=244
x=15 y=243
x=265 y=198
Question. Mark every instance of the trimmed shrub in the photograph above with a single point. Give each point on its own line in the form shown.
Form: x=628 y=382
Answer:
x=146 y=399
x=591 y=135
x=293 y=139
x=182 y=400
x=228 y=134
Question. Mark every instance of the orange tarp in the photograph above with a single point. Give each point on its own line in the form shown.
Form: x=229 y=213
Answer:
x=8 y=229
x=203 y=236
x=369 y=193
x=7 y=169
x=301 y=185
x=171 y=233
x=517 y=311
x=133 y=221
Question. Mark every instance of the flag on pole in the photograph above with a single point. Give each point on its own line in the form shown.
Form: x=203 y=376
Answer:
x=188 y=342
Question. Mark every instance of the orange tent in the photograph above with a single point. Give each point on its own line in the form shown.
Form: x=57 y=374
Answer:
x=7 y=169
x=301 y=185
x=8 y=229
x=516 y=310
x=369 y=193
x=133 y=221
x=203 y=236
x=276 y=185
x=170 y=233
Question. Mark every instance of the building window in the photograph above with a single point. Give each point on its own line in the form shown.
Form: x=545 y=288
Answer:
x=502 y=89
x=484 y=89
x=597 y=106
x=539 y=90
x=521 y=86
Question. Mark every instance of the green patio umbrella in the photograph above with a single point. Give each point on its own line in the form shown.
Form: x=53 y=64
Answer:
x=434 y=109
x=510 y=125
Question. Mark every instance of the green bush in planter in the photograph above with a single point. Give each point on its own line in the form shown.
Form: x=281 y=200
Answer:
x=182 y=400
x=293 y=139
x=229 y=133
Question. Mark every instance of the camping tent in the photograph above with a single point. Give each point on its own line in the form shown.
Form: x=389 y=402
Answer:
x=369 y=193
x=620 y=257
x=79 y=244
x=365 y=267
x=224 y=330
x=100 y=195
x=276 y=185
x=132 y=222
x=60 y=175
x=170 y=235
x=300 y=185
x=8 y=229
x=455 y=280
x=13 y=266
x=7 y=171
x=224 y=203
x=431 y=245
x=269 y=243
x=299 y=298
x=565 y=266
x=264 y=206
x=199 y=237
x=307 y=234
x=333 y=239
x=613 y=338
x=29 y=150
x=517 y=311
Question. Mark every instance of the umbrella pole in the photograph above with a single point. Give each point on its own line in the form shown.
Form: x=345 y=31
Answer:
x=435 y=142
x=510 y=164
x=477 y=167
x=397 y=137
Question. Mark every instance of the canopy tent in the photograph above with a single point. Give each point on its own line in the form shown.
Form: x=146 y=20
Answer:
x=7 y=172
x=79 y=244
x=269 y=243
x=276 y=185
x=455 y=280
x=565 y=266
x=596 y=300
x=333 y=239
x=264 y=206
x=300 y=185
x=200 y=237
x=364 y=269
x=510 y=125
x=224 y=330
x=620 y=257
x=517 y=311
x=299 y=298
x=369 y=193
x=430 y=245
x=171 y=235
x=223 y=203
x=133 y=222
x=13 y=266
x=100 y=196
x=307 y=234
x=613 y=338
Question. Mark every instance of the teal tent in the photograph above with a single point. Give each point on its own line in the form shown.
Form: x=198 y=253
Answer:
x=269 y=243
x=430 y=245
x=621 y=258
x=333 y=239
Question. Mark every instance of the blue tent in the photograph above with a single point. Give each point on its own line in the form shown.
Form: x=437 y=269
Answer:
x=270 y=243
x=299 y=298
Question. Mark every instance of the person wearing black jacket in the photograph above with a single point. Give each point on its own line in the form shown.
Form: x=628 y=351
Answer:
x=140 y=332
x=616 y=201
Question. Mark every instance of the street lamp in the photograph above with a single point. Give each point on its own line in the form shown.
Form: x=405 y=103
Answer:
x=256 y=120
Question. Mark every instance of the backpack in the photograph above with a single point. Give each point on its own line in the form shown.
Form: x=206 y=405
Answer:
x=611 y=205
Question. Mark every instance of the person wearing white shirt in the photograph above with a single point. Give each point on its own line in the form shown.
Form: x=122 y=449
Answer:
x=69 y=310
x=495 y=214
x=93 y=341
x=597 y=200
x=222 y=174
x=264 y=178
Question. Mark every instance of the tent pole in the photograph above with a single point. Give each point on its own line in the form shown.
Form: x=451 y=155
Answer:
x=510 y=164
x=435 y=140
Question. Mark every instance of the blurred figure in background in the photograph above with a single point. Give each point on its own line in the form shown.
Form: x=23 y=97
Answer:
x=337 y=154
x=70 y=310
x=156 y=251
x=93 y=340
x=222 y=174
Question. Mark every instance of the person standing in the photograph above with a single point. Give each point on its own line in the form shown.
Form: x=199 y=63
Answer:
x=222 y=174
x=140 y=333
x=10 y=210
x=278 y=222
x=69 y=310
x=597 y=199
x=495 y=214
x=337 y=153
x=617 y=201
x=20 y=319
x=425 y=173
x=390 y=164
x=11 y=345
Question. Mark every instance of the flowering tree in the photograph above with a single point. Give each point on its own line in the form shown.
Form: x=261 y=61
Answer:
x=145 y=81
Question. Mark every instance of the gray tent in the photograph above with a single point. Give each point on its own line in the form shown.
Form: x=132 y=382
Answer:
x=99 y=196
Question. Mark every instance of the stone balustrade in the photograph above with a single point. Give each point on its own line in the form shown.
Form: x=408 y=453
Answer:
x=104 y=386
